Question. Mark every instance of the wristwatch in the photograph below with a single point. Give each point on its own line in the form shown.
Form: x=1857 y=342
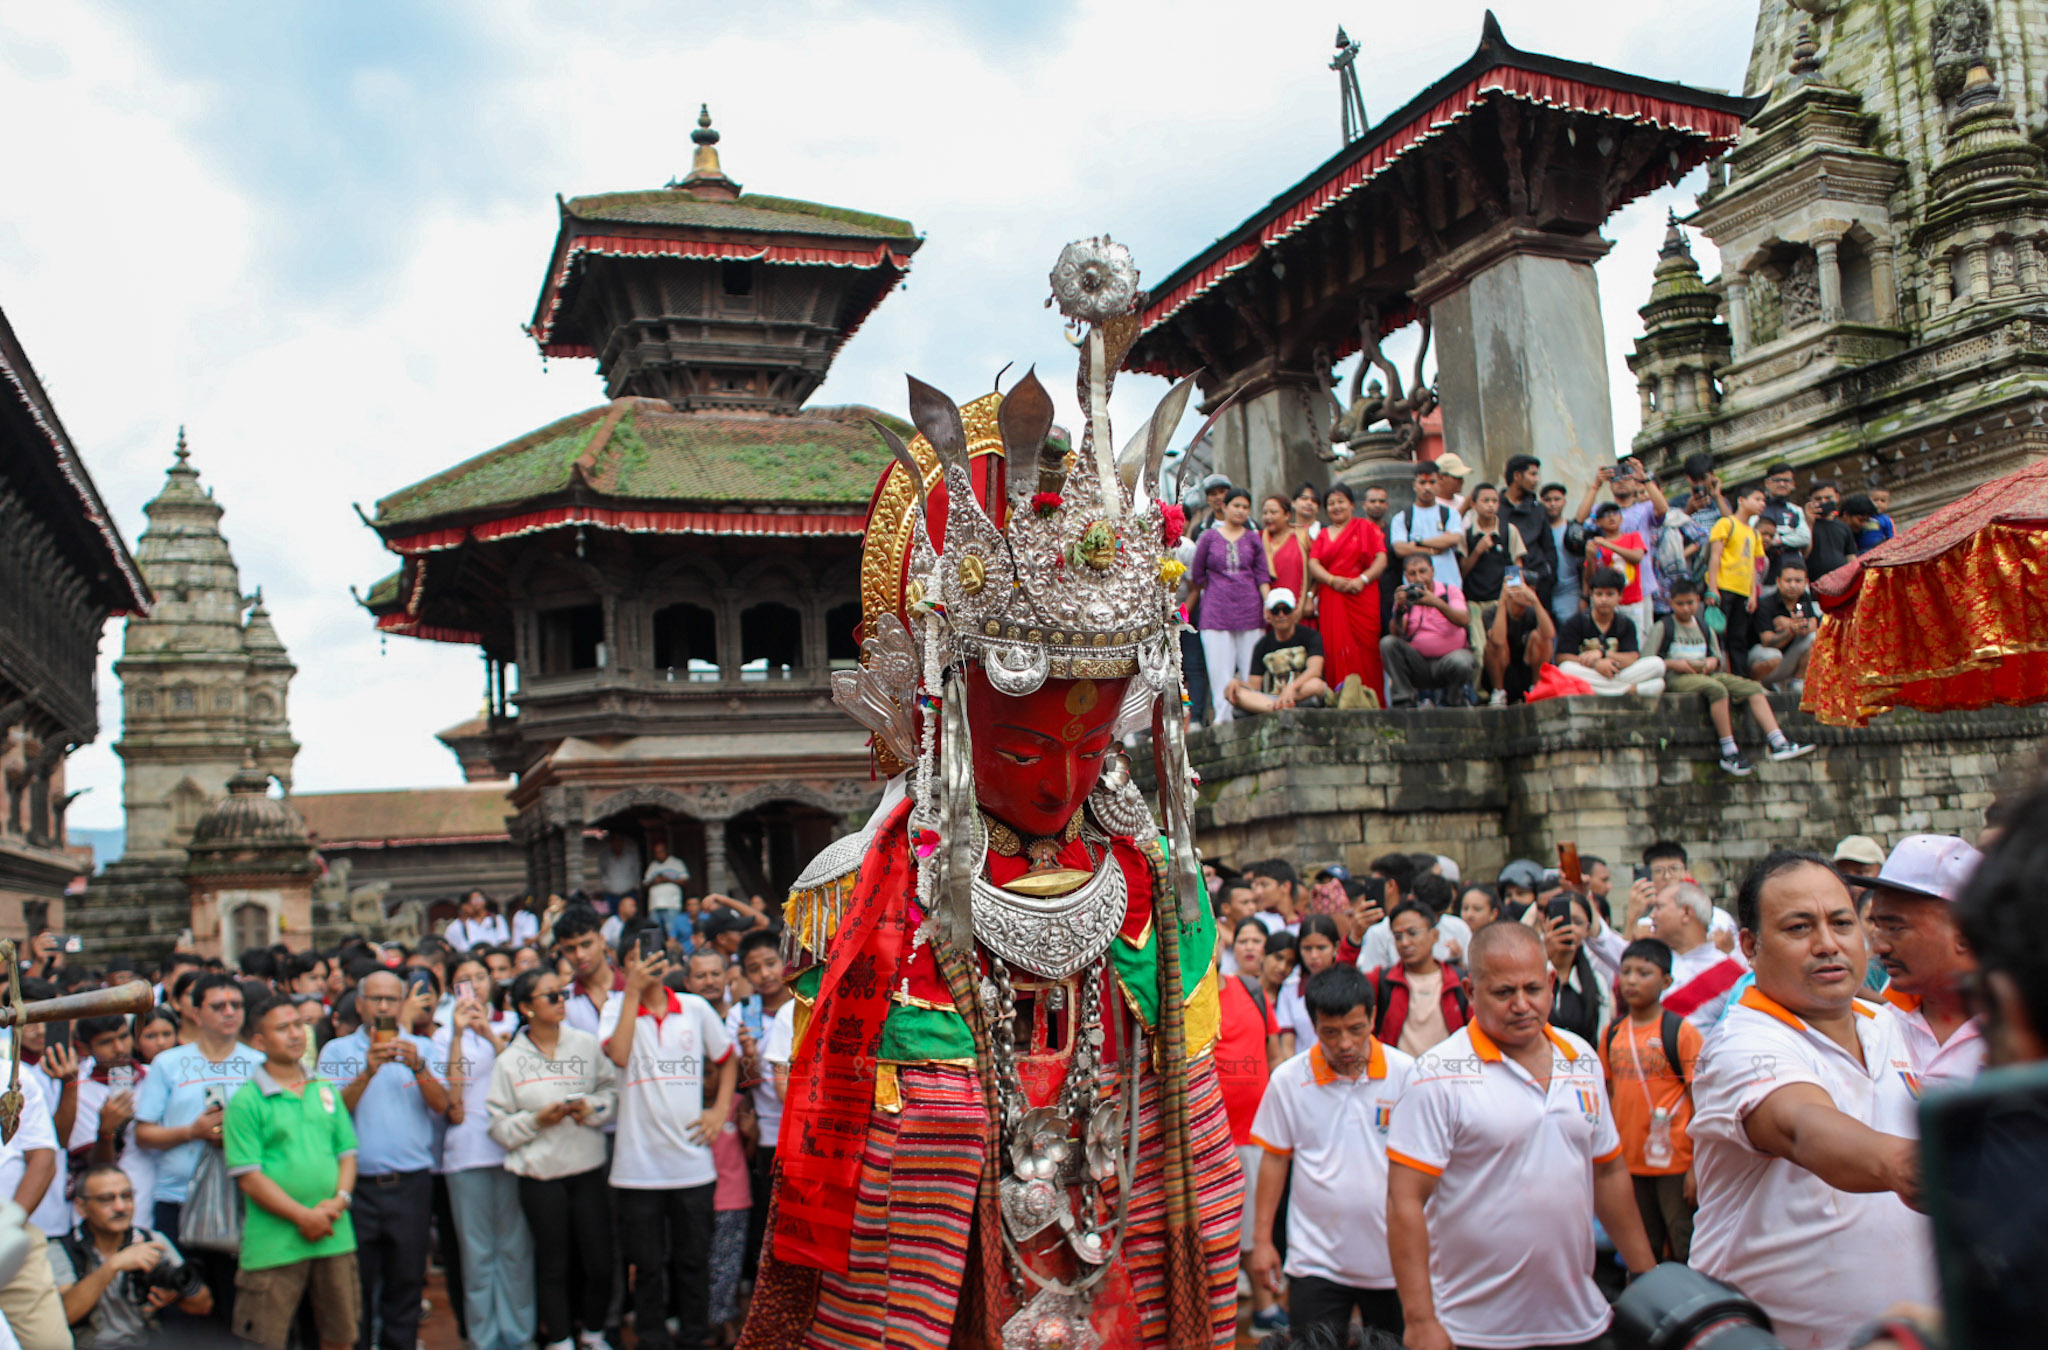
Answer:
x=347 y=1198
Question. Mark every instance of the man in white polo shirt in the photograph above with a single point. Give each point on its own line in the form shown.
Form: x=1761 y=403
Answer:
x=1328 y=1111
x=1913 y=931
x=1506 y=1137
x=663 y=1177
x=1803 y=1122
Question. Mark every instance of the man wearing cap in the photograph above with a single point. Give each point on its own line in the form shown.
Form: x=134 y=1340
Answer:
x=1804 y=1122
x=1502 y=1152
x=1286 y=664
x=1451 y=473
x=1858 y=855
x=1913 y=931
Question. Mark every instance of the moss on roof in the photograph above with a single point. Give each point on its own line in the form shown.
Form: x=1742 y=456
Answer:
x=822 y=457
x=384 y=595
x=668 y=206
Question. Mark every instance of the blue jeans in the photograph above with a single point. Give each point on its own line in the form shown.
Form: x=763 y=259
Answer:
x=497 y=1257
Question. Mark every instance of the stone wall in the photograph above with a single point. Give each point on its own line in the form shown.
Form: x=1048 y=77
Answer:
x=1486 y=785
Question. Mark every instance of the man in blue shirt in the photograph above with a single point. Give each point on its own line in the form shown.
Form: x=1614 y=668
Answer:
x=392 y=1085
x=179 y=1110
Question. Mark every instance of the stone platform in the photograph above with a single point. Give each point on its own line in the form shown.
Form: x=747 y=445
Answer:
x=1490 y=784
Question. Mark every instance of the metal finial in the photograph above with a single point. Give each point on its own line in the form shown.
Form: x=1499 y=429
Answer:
x=1345 y=63
x=181 y=452
x=704 y=134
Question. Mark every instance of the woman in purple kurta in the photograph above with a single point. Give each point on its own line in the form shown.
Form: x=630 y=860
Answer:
x=1230 y=575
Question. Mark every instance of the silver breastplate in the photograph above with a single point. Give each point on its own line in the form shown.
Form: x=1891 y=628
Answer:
x=1053 y=936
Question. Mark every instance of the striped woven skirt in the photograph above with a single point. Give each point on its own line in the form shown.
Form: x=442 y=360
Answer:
x=920 y=1169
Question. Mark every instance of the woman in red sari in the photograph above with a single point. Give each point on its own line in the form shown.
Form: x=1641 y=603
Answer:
x=1287 y=550
x=1346 y=561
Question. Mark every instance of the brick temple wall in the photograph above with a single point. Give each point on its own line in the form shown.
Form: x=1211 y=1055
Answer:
x=1488 y=785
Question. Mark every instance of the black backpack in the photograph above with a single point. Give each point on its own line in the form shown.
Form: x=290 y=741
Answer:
x=1667 y=1032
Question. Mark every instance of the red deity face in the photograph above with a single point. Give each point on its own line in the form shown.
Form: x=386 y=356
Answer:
x=1036 y=758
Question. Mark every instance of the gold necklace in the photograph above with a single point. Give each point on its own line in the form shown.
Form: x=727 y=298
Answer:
x=1041 y=854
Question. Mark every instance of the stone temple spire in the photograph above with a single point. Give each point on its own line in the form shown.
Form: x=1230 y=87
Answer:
x=1682 y=346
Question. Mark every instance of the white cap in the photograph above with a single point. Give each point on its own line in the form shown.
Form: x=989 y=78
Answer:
x=1860 y=848
x=1279 y=596
x=1447 y=868
x=1451 y=466
x=1932 y=866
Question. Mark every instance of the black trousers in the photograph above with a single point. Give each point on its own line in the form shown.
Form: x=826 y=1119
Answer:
x=1313 y=1301
x=393 y=1215
x=571 y=1219
x=1736 y=639
x=762 y=1171
x=668 y=1232
x=218 y=1268
x=449 y=1253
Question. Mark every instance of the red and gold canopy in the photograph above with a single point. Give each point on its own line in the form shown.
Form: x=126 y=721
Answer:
x=1950 y=615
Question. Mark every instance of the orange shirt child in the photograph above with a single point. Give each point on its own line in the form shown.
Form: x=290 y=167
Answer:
x=1641 y=1080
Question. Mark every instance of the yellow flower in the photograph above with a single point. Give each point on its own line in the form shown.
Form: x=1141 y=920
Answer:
x=1171 y=570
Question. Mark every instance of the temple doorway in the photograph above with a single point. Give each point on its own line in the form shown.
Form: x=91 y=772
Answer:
x=767 y=848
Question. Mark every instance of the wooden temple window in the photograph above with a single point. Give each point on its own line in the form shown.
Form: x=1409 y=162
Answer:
x=572 y=638
x=842 y=652
x=183 y=700
x=145 y=700
x=738 y=278
x=686 y=643
x=771 y=642
x=252 y=927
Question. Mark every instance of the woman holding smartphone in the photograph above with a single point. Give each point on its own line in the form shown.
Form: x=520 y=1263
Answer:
x=552 y=1089
x=497 y=1249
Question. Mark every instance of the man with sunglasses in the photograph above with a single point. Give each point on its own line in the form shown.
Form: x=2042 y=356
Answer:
x=1287 y=663
x=181 y=1110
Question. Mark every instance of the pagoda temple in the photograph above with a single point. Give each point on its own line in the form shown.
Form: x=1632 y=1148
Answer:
x=63 y=572
x=661 y=585
x=1476 y=207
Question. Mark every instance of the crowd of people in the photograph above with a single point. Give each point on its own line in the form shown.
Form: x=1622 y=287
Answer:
x=570 y=1110
x=1468 y=1112
x=1494 y=593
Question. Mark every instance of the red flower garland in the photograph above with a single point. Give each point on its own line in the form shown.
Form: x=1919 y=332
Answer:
x=1045 y=503
x=1173 y=520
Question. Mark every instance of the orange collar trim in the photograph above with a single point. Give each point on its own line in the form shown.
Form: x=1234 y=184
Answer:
x=1903 y=1002
x=1319 y=1064
x=1756 y=998
x=1483 y=1046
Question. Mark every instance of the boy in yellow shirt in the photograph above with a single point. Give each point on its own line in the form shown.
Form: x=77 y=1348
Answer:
x=1732 y=552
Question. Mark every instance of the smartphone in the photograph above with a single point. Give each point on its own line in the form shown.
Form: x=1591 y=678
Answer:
x=1568 y=866
x=1974 y=1141
x=69 y=943
x=1560 y=907
x=120 y=1077
x=1642 y=872
x=384 y=1029
x=465 y=989
x=574 y=1097
x=1512 y=577
x=649 y=942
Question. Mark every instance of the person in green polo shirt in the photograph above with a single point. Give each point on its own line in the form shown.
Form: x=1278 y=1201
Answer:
x=292 y=1148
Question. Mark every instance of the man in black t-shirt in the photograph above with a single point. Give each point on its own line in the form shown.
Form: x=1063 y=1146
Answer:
x=1831 y=542
x=1599 y=644
x=1287 y=663
x=1784 y=625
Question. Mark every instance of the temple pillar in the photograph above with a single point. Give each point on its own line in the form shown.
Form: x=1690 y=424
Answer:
x=1522 y=352
x=1273 y=438
x=1978 y=259
x=572 y=856
x=1884 y=284
x=2028 y=258
x=718 y=871
x=1827 y=255
x=1703 y=390
x=1645 y=390
x=1944 y=281
x=1738 y=314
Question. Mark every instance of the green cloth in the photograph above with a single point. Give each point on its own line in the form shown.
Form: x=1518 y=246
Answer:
x=297 y=1139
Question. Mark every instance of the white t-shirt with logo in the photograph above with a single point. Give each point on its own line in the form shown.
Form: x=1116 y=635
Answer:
x=135 y=1161
x=1821 y=1262
x=1335 y=1131
x=661 y=1093
x=1511 y=1220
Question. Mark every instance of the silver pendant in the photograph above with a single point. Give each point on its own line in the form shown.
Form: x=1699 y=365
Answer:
x=1053 y=936
x=1051 y=1322
x=1030 y=1207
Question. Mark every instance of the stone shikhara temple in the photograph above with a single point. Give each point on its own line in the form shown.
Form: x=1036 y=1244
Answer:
x=1881 y=314
x=661 y=585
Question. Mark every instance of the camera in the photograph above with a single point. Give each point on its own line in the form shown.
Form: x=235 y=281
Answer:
x=1675 y=1307
x=184 y=1279
x=1414 y=592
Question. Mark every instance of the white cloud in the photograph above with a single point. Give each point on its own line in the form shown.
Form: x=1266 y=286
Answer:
x=157 y=278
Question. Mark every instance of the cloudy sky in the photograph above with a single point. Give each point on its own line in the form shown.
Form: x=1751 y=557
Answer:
x=310 y=233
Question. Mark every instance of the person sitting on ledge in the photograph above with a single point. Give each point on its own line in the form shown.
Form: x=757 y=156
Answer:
x=1429 y=647
x=1600 y=646
x=1692 y=665
x=1287 y=663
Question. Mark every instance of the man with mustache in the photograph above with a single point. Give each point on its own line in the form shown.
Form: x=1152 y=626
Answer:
x=1913 y=931
x=1804 y=1121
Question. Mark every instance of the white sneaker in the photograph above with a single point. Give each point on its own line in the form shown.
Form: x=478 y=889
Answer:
x=1790 y=750
x=593 y=1340
x=1498 y=699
